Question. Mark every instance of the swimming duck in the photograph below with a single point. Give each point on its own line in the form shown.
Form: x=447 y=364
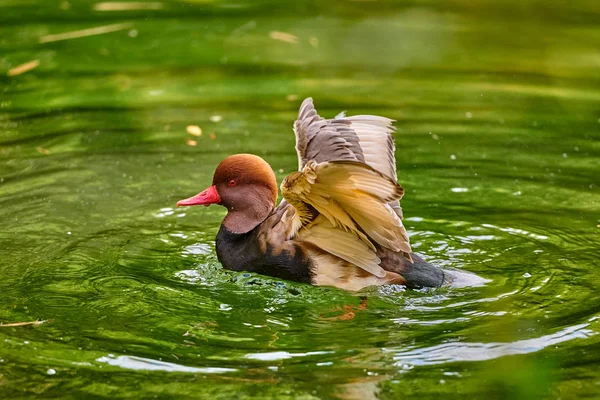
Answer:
x=340 y=221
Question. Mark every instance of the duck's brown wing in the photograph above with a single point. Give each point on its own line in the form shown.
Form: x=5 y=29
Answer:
x=360 y=138
x=353 y=199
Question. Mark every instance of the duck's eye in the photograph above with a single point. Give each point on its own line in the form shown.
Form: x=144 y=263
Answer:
x=232 y=183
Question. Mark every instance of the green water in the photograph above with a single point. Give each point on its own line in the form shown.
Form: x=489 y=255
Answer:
x=498 y=109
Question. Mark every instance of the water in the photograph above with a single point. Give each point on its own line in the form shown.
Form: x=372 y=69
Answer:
x=498 y=150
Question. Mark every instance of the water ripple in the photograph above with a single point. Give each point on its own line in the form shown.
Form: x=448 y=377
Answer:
x=147 y=364
x=465 y=351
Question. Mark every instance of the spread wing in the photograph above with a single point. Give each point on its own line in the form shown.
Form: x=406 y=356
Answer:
x=343 y=244
x=352 y=199
x=361 y=138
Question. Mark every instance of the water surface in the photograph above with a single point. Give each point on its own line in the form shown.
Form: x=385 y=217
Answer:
x=497 y=146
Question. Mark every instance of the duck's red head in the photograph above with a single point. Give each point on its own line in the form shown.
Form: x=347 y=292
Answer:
x=245 y=184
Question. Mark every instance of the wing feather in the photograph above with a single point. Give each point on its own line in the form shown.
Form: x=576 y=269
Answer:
x=343 y=244
x=363 y=194
x=345 y=195
x=362 y=138
x=354 y=198
x=323 y=140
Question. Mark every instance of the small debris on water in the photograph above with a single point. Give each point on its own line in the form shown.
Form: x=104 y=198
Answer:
x=216 y=118
x=133 y=33
x=460 y=190
x=32 y=323
x=291 y=97
x=283 y=37
x=526 y=275
x=51 y=371
x=468 y=115
x=314 y=42
x=21 y=69
x=191 y=142
x=452 y=157
x=194 y=130
x=212 y=136
x=43 y=150
x=99 y=30
x=127 y=6
x=565 y=155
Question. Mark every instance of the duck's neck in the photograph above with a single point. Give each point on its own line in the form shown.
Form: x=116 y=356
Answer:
x=243 y=221
x=247 y=215
x=264 y=251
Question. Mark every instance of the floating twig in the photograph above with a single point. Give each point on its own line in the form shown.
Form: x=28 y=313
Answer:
x=21 y=69
x=32 y=323
x=126 y=6
x=283 y=36
x=99 y=30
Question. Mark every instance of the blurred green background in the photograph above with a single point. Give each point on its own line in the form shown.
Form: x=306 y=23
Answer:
x=498 y=114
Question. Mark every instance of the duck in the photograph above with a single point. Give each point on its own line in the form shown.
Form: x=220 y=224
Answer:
x=340 y=222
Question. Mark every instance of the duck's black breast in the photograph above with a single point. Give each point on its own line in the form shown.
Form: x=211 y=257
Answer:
x=263 y=251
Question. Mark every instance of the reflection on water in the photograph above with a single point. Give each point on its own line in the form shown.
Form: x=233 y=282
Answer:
x=140 y=363
x=456 y=351
x=112 y=111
